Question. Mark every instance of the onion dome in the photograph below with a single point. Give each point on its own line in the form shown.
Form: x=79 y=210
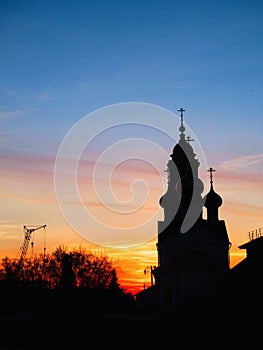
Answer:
x=213 y=199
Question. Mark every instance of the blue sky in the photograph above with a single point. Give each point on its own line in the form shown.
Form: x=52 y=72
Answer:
x=61 y=60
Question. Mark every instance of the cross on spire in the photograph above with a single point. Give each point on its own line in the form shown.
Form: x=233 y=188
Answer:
x=188 y=138
x=182 y=128
x=211 y=170
x=182 y=113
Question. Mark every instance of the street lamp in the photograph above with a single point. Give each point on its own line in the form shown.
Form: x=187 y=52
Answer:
x=150 y=269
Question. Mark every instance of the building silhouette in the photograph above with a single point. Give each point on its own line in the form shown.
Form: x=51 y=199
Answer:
x=241 y=289
x=193 y=251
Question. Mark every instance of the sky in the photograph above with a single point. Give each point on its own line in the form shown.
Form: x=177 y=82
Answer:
x=90 y=92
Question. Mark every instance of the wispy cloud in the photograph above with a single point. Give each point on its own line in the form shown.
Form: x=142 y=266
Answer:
x=243 y=209
x=242 y=162
x=47 y=96
x=7 y=229
x=18 y=113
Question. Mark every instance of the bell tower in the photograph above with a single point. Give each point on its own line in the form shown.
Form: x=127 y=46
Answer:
x=193 y=252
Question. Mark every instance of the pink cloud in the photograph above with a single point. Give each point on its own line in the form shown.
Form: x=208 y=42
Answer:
x=242 y=162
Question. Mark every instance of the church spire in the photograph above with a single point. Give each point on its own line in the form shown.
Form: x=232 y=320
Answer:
x=182 y=127
x=211 y=170
x=213 y=200
x=184 y=185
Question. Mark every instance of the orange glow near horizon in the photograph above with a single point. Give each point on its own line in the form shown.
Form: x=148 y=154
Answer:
x=130 y=263
x=32 y=201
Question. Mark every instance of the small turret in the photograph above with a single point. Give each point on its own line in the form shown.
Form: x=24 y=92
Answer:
x=213 y=201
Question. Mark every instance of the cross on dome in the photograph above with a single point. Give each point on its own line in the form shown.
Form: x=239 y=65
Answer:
x=182 y=114
x=182 y=128
x=211 y=170
x=188 y=139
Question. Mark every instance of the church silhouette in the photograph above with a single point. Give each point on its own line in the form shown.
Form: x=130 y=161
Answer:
x=193 y=276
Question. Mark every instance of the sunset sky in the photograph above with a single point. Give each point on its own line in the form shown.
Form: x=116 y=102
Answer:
x=90 y=92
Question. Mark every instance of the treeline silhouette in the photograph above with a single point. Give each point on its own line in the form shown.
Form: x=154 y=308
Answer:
x=60 y=286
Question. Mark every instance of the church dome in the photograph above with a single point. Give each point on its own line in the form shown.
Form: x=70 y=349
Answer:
x=177 y=150
x=213 y=199
x=182 y=148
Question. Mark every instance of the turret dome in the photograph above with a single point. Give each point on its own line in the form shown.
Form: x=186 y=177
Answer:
x=213 y=199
